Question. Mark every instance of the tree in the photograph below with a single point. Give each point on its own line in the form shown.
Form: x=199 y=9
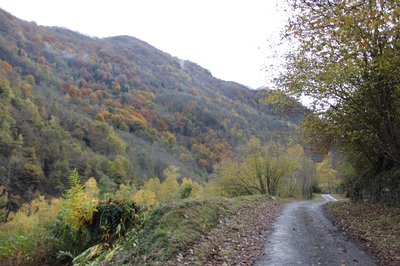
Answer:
x=170 y=186
x=120 y=169
x=103 y=139
x=80 y=201
x=154 y=185
x=228 y=180
x=125 y=192
x=298 y=183
x=107 y=185
x=327 y=176
x=260 y=169
x=190 y=188
x=145 y=198
x=346 y=60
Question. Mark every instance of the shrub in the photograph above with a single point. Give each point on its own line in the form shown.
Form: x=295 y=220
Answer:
x=25 y=238
x=145 y=198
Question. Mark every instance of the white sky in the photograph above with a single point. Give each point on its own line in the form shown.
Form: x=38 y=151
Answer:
x=227 y=37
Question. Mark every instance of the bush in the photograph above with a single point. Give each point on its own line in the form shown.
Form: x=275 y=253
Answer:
x=25 y=238
x=36 y=230
x=111 y=220
x=67 y=227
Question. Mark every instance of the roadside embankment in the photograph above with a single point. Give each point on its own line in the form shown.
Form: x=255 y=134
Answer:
x=214 y=231
x=375 y=226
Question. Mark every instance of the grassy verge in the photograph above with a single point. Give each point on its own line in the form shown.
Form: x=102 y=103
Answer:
x=173 y=227
x=377 y=226
x=318 y=198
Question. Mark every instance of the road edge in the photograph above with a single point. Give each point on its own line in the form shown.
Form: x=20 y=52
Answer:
x=371 y=249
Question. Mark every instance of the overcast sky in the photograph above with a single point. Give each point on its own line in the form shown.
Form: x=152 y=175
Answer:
x=228 y=37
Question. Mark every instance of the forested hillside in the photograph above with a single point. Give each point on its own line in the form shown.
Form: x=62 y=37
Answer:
x=116 y=109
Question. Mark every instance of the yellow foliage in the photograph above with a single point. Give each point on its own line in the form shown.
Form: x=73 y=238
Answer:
x=30 y=215
x=166 y=190
x=90 y=189
x=26 y=231
x=197 y=189
x=81 y=202
x=326 y=175
x=170 y=186
x=170 y=138
x=296 y=150
x=145 y=198
x=230 y=180
x=214 y=189
x=30 y=79
x=100 y=117
x=154 y=185
x=125 y=192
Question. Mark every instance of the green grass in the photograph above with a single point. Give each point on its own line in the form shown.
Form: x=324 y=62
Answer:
x=172 y=227
x=318 y=198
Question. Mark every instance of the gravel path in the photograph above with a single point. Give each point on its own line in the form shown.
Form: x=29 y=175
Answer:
x=304 y=236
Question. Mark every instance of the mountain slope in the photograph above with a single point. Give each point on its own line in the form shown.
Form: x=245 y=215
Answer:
x=114 y=108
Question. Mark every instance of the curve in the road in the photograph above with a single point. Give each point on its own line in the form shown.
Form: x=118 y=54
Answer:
x=304 y=236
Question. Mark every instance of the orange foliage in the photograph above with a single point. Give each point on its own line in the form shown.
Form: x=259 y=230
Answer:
x=82 y=83
x=142 y=98
x=178 y=119
x=116 y=87
x=74 y=92
x=203 y=163
x=37 y=39
x=148 y=116
x=94 y=97
x=6 y=67
x=117 y=104
x=136 y=117
x=86 y=91
x=65 y=87
x=105 y=114
x=203 y=149
x=42 y=60
x=100 y=117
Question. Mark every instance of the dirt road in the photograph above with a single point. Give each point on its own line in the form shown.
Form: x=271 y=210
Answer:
x=304 y=236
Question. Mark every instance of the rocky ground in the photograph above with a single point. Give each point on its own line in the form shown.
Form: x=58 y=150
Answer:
x=237 y=240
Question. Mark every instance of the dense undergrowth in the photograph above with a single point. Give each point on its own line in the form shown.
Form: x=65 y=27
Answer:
x=58 y=231
x=88 y=228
